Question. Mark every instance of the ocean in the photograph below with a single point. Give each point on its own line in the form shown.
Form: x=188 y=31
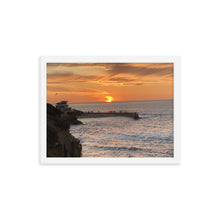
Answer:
x=149 y=136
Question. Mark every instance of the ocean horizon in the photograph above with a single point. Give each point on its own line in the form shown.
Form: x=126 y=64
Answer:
x=116 y=101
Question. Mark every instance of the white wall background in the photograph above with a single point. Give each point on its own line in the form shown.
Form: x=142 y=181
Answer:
x=187 y=28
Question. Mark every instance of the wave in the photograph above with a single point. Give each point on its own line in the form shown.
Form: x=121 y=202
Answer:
x=121 y=148
x=138 y=150
x=147 y=115
x=140 y=136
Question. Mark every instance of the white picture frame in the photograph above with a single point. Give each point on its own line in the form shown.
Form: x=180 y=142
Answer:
x=110 y=59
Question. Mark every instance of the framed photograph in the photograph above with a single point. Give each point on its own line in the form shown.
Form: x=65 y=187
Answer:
x=109 y=110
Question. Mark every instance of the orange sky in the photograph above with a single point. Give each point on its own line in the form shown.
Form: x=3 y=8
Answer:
x=92 y=82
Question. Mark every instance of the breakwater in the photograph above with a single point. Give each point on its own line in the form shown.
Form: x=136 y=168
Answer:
x=133 y=115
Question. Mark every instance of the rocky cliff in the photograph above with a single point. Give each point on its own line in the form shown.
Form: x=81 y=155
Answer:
x=60 y=143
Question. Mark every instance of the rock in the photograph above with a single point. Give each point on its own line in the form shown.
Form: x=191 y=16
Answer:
x=60 y=143
x=136 y=116
x=71 y=118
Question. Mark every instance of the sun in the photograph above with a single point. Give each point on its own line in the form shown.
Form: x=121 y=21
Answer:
x=109 y=98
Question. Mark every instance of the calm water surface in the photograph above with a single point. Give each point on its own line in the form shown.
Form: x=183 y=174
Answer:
x=150 y=136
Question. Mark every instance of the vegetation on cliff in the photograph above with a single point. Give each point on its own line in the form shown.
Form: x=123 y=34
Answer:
x=60 y=143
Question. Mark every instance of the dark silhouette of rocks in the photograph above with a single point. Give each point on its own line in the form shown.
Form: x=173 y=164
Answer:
x=136 y=116
x=72 y=117
x=60 y=143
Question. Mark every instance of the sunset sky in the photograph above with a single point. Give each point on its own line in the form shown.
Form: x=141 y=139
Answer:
x=100 y=82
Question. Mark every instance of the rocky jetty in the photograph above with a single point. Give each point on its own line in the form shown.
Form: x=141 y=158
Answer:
x=133 y=115
x=60 y=143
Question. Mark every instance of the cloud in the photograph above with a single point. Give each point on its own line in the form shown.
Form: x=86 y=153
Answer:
x=111 y=74
x=78 y=65
x=66 y=78
x=141 y=70
x=121 y=79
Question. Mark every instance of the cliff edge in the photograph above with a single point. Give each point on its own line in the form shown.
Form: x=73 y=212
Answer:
x=60 y=143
